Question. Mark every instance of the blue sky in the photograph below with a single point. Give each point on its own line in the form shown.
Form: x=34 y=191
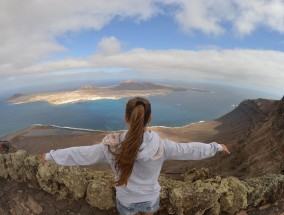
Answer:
x=234 y=41
x=161 y=33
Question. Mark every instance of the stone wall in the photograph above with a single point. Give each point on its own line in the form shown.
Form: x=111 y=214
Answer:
x=195 y=193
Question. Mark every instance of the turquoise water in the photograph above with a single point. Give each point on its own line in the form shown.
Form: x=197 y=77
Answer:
x=176 y=109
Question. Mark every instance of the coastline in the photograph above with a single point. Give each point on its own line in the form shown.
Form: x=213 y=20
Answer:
x=75 y=128
x=38 y=138
x=41 y=126
x=98 y=130
x=39 y=134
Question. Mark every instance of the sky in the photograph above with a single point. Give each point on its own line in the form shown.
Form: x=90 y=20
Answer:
x=235 y=42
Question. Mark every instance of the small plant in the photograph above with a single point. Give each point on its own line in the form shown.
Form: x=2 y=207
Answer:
x=4 y=145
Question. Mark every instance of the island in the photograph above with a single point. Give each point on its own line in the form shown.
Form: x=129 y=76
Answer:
x=89 y=93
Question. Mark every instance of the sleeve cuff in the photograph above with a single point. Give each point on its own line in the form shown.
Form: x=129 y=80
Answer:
x=48 y=157
x=219 y=148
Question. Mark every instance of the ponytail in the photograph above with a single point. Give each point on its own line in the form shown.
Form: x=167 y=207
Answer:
x=138 y=111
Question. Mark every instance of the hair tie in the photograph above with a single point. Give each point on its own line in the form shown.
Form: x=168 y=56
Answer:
x=140 y=103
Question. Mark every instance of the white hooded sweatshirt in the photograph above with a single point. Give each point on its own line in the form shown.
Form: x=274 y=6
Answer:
x=142 y=185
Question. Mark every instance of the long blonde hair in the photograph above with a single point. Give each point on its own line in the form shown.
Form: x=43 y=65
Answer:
x=137 y=114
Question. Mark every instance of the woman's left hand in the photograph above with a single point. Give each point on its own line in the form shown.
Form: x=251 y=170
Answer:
x=225 y=149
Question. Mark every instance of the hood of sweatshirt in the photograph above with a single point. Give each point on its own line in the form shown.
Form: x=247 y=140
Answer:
x=151 y=147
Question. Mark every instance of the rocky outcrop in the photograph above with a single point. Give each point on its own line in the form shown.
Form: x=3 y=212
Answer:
x=194 y=193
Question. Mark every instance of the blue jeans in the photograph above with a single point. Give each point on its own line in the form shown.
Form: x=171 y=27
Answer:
x=133 y=208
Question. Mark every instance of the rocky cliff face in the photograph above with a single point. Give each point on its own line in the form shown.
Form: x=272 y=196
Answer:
x=254 y=133
x=262 y=150
x=195 y=193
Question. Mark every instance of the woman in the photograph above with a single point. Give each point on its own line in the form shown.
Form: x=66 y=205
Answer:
x=136 y=157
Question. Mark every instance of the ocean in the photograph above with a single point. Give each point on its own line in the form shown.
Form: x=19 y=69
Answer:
x=172 y=110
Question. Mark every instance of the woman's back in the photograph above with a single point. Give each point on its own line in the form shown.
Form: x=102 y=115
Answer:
x=142 y=185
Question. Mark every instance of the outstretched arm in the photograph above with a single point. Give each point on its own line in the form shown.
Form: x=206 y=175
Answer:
x=82 y=155
x=191 y=151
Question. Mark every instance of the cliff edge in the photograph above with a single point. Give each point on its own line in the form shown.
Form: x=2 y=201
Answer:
x=195 y=193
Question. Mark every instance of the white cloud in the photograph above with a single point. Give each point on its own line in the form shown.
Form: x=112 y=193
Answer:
x=254 y=13
x=109 y=46
x=201 y=15
x=249 y=67
x=244 y=16
x=29 y=30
